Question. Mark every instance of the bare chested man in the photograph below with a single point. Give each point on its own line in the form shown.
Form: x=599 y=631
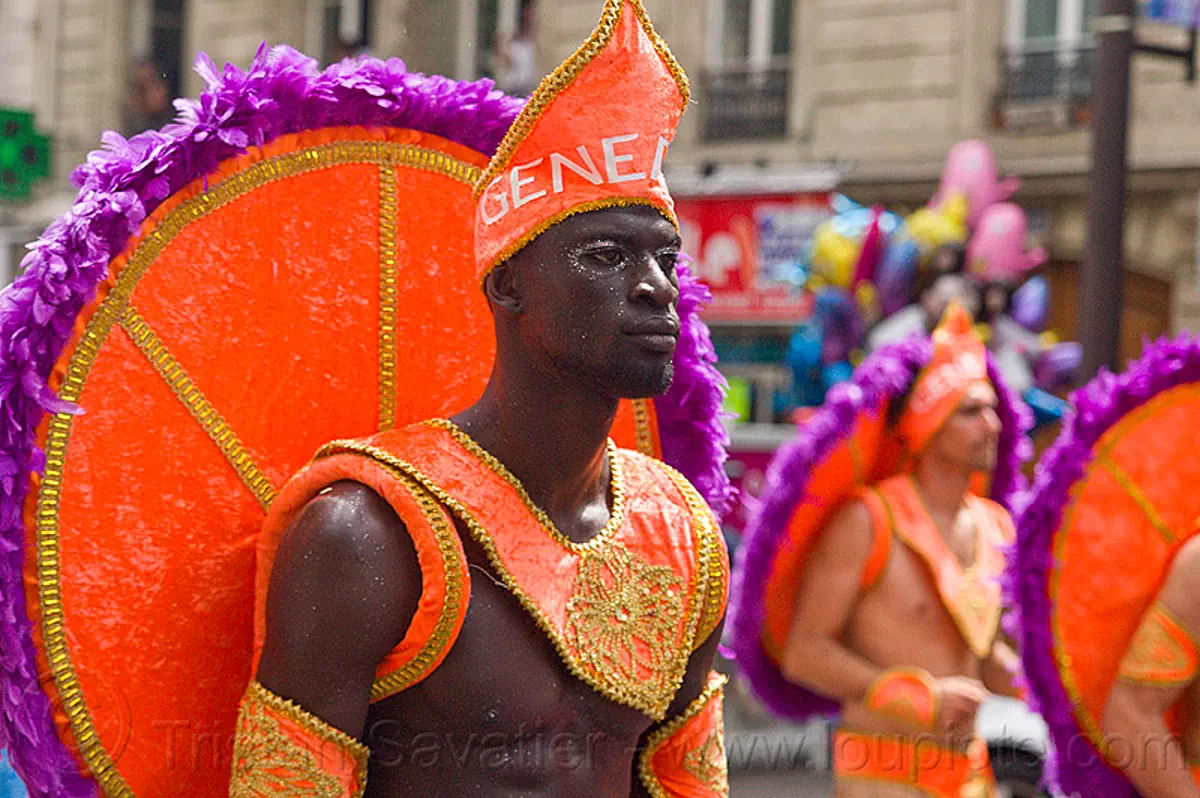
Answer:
x=898 y=608
x=503 y=603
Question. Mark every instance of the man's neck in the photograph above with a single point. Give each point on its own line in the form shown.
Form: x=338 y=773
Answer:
x=942 y=488
x=554 y=440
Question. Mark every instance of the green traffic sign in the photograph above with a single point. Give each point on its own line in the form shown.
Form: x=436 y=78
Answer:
x=24 y=154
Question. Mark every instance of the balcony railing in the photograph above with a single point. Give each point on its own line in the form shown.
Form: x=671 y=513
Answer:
x=1045 y=87
x=745 y=102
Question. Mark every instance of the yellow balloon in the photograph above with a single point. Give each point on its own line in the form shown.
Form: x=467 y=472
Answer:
x=934 y=227
x=834 y=256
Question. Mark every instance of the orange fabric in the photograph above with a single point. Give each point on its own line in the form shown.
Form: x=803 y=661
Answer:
x=593 y=135
x=959 y=361
x=1111 y=555
x=280 y=749
x=906 y=694
x=309 y=481
x=1162 y=653
x=939 y=772
x=881 y=540
x=690 y=762
x=972 y=596
x=658 y=527
x=272 y=349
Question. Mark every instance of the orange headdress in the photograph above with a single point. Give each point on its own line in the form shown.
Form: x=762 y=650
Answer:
x=959 y=361
x=592 y=136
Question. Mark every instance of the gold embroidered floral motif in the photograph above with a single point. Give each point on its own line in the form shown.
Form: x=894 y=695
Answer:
x=270 y=763
x=623 y=619
x=707 y=763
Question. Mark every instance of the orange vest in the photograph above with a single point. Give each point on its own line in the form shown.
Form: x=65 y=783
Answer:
x=624 y=610
x=971 y=595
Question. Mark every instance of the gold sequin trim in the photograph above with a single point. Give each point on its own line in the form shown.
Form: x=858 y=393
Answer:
x=625 y=694
x=108 y=314
x=716 y=777
x=387 y=297
x=641 y=420
x=267 y=761
x=452 y=568
x=562 y=77
x=1140 y=499
x=1087 y=722
x=584 y=207
x=617 y=488
x=191 y=397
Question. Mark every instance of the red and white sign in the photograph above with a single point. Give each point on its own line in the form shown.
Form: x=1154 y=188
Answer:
x=749 y=251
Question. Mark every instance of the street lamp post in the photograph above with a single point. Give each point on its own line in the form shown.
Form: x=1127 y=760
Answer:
x=1103 y=266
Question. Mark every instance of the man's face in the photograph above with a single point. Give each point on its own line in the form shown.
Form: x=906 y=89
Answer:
x=969 y=438
x=598 y=301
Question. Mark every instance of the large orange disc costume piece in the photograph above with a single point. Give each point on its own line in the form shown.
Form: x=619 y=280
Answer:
x=1113 y=501
x=293 y=263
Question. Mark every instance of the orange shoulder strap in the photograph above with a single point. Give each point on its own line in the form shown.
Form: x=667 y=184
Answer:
x=881 y=542
x=446 y=584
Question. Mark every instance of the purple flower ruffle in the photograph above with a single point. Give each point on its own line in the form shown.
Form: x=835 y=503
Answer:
x=282 y=92
x=883 y=376
x=1076 y=767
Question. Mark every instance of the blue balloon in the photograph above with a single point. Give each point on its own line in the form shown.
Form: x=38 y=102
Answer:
x=1047 y=408
x=1031 y=304
x=10 y=784
x=896 y=281
x=834 y=373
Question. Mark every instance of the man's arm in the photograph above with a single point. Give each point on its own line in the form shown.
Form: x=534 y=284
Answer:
x=1134 y=718
x=813 y=654
x=344 y=588
x=1000 y=669
x=695 y=680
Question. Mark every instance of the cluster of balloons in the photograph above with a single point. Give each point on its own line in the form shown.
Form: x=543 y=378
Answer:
x=877 y=277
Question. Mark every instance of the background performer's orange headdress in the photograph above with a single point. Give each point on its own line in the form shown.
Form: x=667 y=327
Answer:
x=593 y=135
x=959 y=361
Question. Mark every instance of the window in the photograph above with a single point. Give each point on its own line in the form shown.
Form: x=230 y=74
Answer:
x=156 y=68
x=749 y=67
x=338 y=29
x=749 y=32
x=157 y=37
x=504 y=47
x=1050 y=24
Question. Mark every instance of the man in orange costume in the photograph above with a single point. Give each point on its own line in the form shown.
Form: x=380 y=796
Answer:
x=898 y=608
x=595 y=577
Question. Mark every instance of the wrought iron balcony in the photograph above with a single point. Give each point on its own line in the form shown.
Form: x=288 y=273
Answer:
x=1045 y=87
x=744 y=102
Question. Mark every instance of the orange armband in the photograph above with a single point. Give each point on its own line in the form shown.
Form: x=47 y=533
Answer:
x=906 y=694
x=282 y=750
x=686 y=757
x=1162 y=653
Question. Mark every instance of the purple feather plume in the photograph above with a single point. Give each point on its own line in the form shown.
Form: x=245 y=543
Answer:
x=883 y=376
x=1077 y=768
x=694 y=439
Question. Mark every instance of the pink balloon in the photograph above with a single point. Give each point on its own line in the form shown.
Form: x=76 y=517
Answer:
x=971 y=171
x=996 y=251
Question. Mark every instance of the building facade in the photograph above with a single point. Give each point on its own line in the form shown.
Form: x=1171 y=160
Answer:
x=865 y=94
